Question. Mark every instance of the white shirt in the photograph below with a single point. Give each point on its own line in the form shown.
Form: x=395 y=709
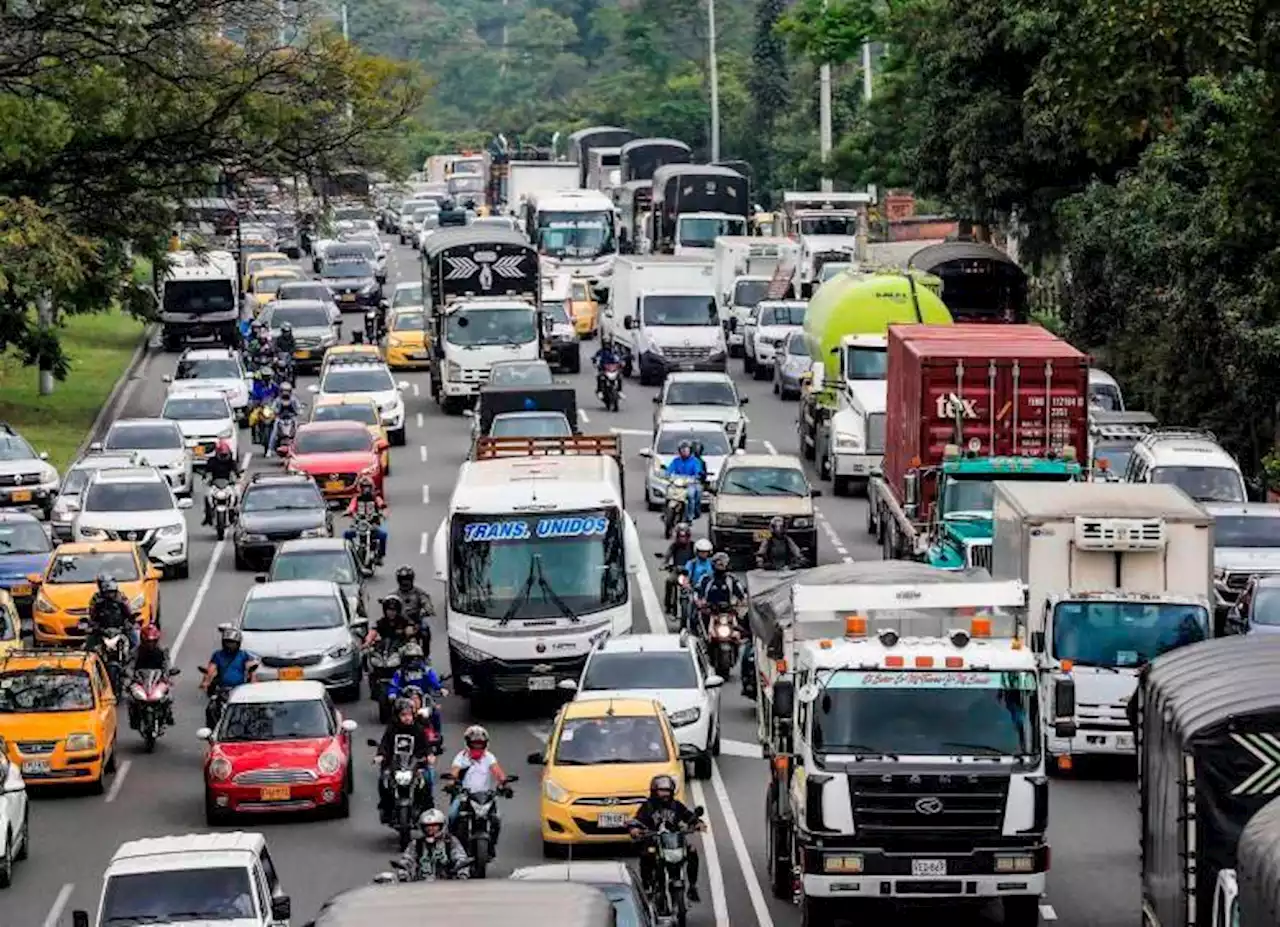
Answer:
x=477 y=775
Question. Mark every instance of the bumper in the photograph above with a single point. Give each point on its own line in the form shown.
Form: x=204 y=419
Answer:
x=168 y=551
x=696 y=735
x=392 y=421
x=765 y=353
x=460 y=388
x=562 y=353
x=414 y=357
x=246 y=799
x=258 y=548
x=789 y=380
x=202 y=449
x=514 y=677
x=332 y=673
x=23 y=596
x=59 y=767
x=1096 y=742
x=857 y=466
x=580 y=824
x=25 y=497
x=585 y=324
x=736 y=339
x=745 y=542
x=657 y=365
x=909 y=888
x=350 y=302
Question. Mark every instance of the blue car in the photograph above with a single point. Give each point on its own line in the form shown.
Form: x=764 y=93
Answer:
x=25 y=548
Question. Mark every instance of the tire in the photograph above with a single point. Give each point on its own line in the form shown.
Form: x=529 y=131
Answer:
x=777 y=853
x=702 y=766
x=842 y=485
x=748 y=364
x=450 y=405
x=761 y=372
x=349 y=694
x=1021 y=911
x=221 y=532
x=24 y=845
x=681 y=913
x=213 y=815
x=397 y=437
x=342 y=809
x=182 y=570
x=480 y=865
x=6 y=861
x=403 y=835
x=777 y=390
x=815 y=912
x=241 y=563
x=553 y=850
x=575 y=363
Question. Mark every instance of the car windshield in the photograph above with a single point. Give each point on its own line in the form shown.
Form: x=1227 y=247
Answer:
x=332 y=440
x=301 y=496
x=828 y=225
x=700 y=393
x=866 y=363
x=748 y=293
x=270 y=283
x=1105 y=396
x=1204 y=484
x=357 y=380
x=347 y=270
x=468 y=327
x=1246 y=531
x=782 y=315
x=39 y=691
x=550 y=425
x=536 y=373
x=967 y=496
x=200 y=296
x=1265 y=606
x=407 y=296
x=254 y=721
x=656 y=670
x=362 y=412
x=685 y=310
x=408 y=322
x=832 y=269
x=23 y=537
x=203 y=410
x=178 y=896
x=920 y=713
x=294 y=290
x=300 y=316
x=714 y=443
x=330 y=565
x=212 y=368
x=797 y=346
x=80 y=568
x=575 y=235
x=148 y=496
x=1112 y=634
x=13 y=447
x=607 y=740
x=556 y=312
x=1116 y=456
x=353 y=249
x=764 y=481
x=295 y=613
x=144 y=438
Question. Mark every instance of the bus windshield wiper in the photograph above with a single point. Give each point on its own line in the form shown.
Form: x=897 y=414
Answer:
x=523 y=595
x=551 y=595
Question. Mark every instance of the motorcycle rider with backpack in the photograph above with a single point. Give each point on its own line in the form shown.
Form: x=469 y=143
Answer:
x=662 y=807
x=417 y=603
x=109 y=609
x=434 y=849
x=414 y=671
x=720 y=590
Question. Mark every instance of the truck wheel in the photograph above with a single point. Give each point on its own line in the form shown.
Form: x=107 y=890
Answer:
x=815 y=912
x=170 y=342
x=779 y=851
x=451 y=405
x=748 y=363
x=842 y=486
x=1021 y=911
x=871 y=513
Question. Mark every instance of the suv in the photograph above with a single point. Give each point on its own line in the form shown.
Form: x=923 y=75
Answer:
x=157 y=879
x=159 y=443
x=278 y=507
x=751 y=491
x=374 y=381
x=1190 y=459
x=26 y=479
x=1246 y=545
x=137 y=505
x=702 y=397
x=67 y=504
x=206 y=418
x=213 y=368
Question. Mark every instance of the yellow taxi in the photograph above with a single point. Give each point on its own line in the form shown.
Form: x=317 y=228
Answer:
x=350 y=354
x=256 y=262
x=10 y=625
x=354 y=409
x=265 y=282
x=597 y=766
x=584 y=309
x=406 y=344
x=69 y=582
x=58 y=716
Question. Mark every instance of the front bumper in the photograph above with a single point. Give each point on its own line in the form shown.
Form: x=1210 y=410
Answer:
x=202 y=449
x=35 y=495
x=247 y=799
x=657 y=365
x=911 y=888
x=310 y=358
x=857 y=466
x=789 y=380
x=57 y=766
x=333 y=673
x=168 y=551
x=408 y=357
x=580 y=824
x=514 y=677
x=260 y=548
x=23 y=595
x=765 y=353
x=1096 y=742
x=350 y=302
x=393 y=419
x=58 y=629
x=460 y=388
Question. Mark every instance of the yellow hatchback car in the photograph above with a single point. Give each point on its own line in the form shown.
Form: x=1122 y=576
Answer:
x=584 y=309
x=69 y=582
x=58 y=716
x=598 y=763
x=350 y=354
x=256 y=262
x=406 y=344
x=264 y=283
x=354 y=409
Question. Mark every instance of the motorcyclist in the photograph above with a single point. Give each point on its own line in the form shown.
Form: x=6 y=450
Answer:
x=414 y=671
x=230 y=665
x=476 y=769
x=258 y=344
x=367 y=501
x=264 y=390
x=390 y=627
x=286 y=406
x=150 y=656
x=222 y=466
x=700 y=567
x=110 y=609
x=686 y=464
x=417 y=603
x=679 y=552
x=434 y=849
x=405 y=724
x=286 y=343
x=721 y=590
x=662 y=807
x=778 y=551
x=601 y=359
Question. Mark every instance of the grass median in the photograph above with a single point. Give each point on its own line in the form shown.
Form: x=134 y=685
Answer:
x=99 y=348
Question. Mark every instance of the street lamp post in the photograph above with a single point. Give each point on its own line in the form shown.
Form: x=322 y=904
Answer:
x=713 y=70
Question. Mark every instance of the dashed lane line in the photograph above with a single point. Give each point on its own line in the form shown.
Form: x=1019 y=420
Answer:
x=59 y=903
x=763 y=917
x=768 y=446
x=422 y=453
x=711 y=853
x=426 y=494
x=419 y=419
x=117 y=781
x=423 y=544
x=832 y=536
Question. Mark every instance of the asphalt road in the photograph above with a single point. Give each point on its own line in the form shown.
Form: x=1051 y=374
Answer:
x=1094 y=882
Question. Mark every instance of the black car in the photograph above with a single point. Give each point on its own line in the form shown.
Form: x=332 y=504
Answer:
x=354 y=283
x=274 y=508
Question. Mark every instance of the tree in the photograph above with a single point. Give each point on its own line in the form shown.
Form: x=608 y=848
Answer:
x=768 y=82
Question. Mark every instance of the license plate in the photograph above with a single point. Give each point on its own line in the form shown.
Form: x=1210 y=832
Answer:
x=762 y=535
x=612 y=819
x=541 y=683
x=688 y=367
x=348 y=297
x=20 y=495
x=334 y=486
x=35 y=767
x=199 y=450
x=291 y=672
x=928 y=867
x=1124 y=741
x=20 y=590
x=301 y=355
x=275 y=793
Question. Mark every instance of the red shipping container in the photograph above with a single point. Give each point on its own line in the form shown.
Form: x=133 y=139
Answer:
x=1016 y=389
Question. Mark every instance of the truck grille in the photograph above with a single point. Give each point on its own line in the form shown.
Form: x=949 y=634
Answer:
x=143 y=538
x=875 y=433
x=1236 y=582
x=686 y=354
x=1100 y=717
x=275 y=777
x=821 y=258
x=928 y=811
x=978 y=555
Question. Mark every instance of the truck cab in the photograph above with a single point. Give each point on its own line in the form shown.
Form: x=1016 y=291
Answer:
x=827 y=226
x=850 y=445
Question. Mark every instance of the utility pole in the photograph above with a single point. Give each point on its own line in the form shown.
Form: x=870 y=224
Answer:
x=714 y=73
x=866 y=71
x=44 y=315
x=824 y=119
x=346 y=31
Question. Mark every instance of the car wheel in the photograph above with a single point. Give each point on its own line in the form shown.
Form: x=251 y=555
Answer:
x=182 y=570
x=554 y=850
x=24 y=836
x=397 y=437
x=6 y=861
x=241 y=563
x=702 y=766
x=213 y=815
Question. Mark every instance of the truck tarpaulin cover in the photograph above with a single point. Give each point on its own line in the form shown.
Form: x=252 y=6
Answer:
x=495 y=400
x=472 y=261
x=769 y=592
x=1258 y=868
x=1209 y=720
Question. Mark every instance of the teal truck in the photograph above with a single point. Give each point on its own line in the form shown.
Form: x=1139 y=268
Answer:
x=969 y=405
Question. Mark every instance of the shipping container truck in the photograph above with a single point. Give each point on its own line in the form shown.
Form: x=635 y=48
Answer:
x=1208 y=724
x=1116 y=574
x=1249 y=895
x=967 y=405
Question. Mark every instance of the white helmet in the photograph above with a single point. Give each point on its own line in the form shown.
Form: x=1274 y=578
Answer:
x=703 y=546
x=473 y=733
x=433 y=817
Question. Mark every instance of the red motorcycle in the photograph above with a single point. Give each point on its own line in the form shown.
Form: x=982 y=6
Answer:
x=151 y=704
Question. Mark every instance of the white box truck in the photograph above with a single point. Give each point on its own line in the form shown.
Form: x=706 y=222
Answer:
x=745 y=266
x=528 y=177
x=1117 y=574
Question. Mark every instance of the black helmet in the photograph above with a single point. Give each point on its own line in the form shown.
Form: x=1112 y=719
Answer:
x=405 y=575
x=662 y=783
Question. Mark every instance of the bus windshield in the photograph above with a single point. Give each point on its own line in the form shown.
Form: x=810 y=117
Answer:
x=575 y=234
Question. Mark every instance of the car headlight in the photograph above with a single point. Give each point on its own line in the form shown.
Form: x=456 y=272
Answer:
x=369 y=288
x=172 y=531
x=93 y=534
x=554 y=791
x=48 y=475
x=320 y=532
x=44 y=606
x=727 y=519
x=329 y=762
x=342 y=650
x=220 y=768
x=802 y=522
x=1219 y=574
x=470 y=654
x=453 y=370
x=328 y=338
x=227 y=433
x=684 y=717
x=731 y=427
x=848 y=442
x=253 y=538
x=79 y=742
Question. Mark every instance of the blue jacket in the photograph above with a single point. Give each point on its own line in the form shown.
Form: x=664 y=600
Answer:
x=605 y=356
x=686 y=466
x=697 y=570
x=231 y=670
x=263 y=391
x=425 y=679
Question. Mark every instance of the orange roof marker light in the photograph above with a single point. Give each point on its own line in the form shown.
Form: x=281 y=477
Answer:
x=855 y=626
x=980 y=627
x=1068 y=665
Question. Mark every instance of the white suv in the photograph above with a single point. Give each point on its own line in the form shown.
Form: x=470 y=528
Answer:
x=15 y=821
x=67 y=504
x=213 y=368
x=1189 y=459
x=672 y=668
x=137 y=505
x=371 y=381
x=205 y=418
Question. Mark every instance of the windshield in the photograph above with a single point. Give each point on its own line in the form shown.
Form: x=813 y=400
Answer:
x=408 y=322
x=296 y=613
x=151 y=496
x=537 y=373
x=223 y=368
x=144 y=438
x=40 y=691
x=300 y=316
x=293 y=290
x=352 y=250
x=714 y=443
x=352 y=214
x=353 y=380
x=1105 y=396
x=1204 y=484
x=617 y=739
x=361 y=412
x=332 y=440
x=199 y=296
x=575 y=234
x=23 y=537
x=407 y=296
x=74 y=569
x=748 y=293
x=1264 y=608
x=797 y=346
x=866 y=363
x=1112 y=634
x=702 y=231
x=254 y=721
x=919 y=713
x=556 y=313
x=552 y=425
x=178 y=895
x=537 y=567
x=330 y=565
x=970 y=495
x=202 y=410
x=700 y=393
x=347 y=269
x=478 y=327
x=466 y=184
x=832 y=269
x=613 y=671
x=271 y=283
x=828 y=225
x=687 y=310
x=1246 y=531
x=763 y=481
x=13 y=447
x=782 y=315
x=1116 y=455
x=281 y=498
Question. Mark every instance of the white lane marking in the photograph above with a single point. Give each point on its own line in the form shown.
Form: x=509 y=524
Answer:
x=539 y=734
x=582 y=417
x=415 y=389
x=833 y=537
x=768 y=446
x=117 y=781
x=426 y=494
x=763 y=917
x=711 y=853
x=422 y=452
x=55 y=911
x=419 y=419
x=1047 y=913
x=422 y=544
x=740 y=748
x=631 y=431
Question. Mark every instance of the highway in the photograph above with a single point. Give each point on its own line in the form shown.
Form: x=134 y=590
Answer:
x=1094 y=880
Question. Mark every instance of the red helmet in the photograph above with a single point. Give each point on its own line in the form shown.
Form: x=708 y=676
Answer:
x=223 y=449
x=151 y=633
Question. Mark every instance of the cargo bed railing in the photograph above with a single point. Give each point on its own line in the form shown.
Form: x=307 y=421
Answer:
x=575 y=445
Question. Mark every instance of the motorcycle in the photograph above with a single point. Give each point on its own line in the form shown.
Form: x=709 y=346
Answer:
x=222 y=501
x=286 y=432
x=151 y=704
x=372 y=330
x=723 y=638
x=284 y=367
x=114 y=646
x=441 y=869
x=477 y=823
x=216 y=705
x=381 y=662
x=265 y=418
x=410 y=788
x=364 y=546
x=667 y=886
x=611 y=386
x=676 y=505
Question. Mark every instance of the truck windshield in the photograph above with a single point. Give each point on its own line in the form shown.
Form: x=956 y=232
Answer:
x=919 y=713
x=747 y=293
x=1204 y=484
x=691 y=310
x=782 y=315
x=199 y=296
x=975 y=494
x=702 y=231
x=178 y=895
x=866 y=363
x=1112 y=634
x=1245 y=530
x=475 y=328
x=575 y=234
x=829 y=225
x=545 y=566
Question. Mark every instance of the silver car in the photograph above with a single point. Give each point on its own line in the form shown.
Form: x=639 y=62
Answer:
x=27 y=479
x=305 y=629
x=160 y=444
x=793 y=363
x=313 y=328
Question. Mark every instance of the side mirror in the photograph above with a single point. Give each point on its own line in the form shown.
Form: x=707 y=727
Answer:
x=260 y=578
x=348 y=725
x=784 y=698
x=536 y=759
x=383 y=444
x=402 y=385
x=1064 y=706
x=204 y=733
x=657 y=400
x=281 y=908
x=568 y=685
x=360 y=626
x=154 y=573
x=313 y=388
x=815 y=493
x=184 y=504
x=174 y=671
x=745 y=400
x=646 y=453
x=628 y=322
x=371 y=742
x=35 y=579
x=714 y=682
x=912 y=488
x=79 y=919
x=95 y=446
x=167 y=378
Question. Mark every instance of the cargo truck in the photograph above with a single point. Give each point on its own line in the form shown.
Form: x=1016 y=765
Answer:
x=1249 y=895
x=827 y=226
x=746 y=266
x=841 y=416
x=968 y=405
x=525 y=178
x=1208 y=724
x=1116 y=574
x=899 y=717
x=694 y=204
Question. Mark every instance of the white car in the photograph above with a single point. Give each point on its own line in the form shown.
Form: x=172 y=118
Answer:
x=213 y=368
x=372 y=381
x=702 y=397
x=136 y=505
x=15 y=818
x=672 y=668
x=407 y=296
x=666 y=445
x=159 y=443
x=67 y=505
x=766 y=332
x=205 y=417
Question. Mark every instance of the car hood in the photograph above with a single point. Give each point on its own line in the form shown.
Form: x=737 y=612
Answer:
x=15 y=567
x=289 y=644
x=742 y=503
x=1244 y=559
x=713 y=464
x=407 y=337
x=77 y=595
x=53 y=725
x=608 y=778
x=776 y=331
x=1096 y=686
x=229 y=386
x=816 y=243
x=385 y=400
x=280 y=754
x=287 y=520
x=672 y=699
x=347 y=284
x=131 y=521
x=202 y=428
x=29 y=465
x=345 y=462
x=312 y=332
x=720 y=414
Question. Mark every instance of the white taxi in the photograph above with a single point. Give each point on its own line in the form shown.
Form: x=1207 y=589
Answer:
x=372 y=381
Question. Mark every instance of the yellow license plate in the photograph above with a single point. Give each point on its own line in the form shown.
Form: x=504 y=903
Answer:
x=20 y=590
x=301 y=355
x=200 y=450
x=21 y=495
x=334 y=486
x=348 y=297
x=762 y=535
x=276 y=793
x=291 y=672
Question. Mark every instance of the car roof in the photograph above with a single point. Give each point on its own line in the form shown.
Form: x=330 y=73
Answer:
x=789 y=461
x=140 y=422
x=622 y=707
x=128 y=475
x=195 y=392
x=287 y=588
x=267 y=254
x=645 y=643
x=698 y=376
x=236 y=841
x=684 y=424
x=370 y=365
x=208 y=354
x=409 y=285
x=344 y=399
x=281 y=479
x=335 y=425
x=311 y=544
x=73 y=548
x=593 y=872
x=296 y=690
x=18 y=518
x=1239 y=509
x=296 y=304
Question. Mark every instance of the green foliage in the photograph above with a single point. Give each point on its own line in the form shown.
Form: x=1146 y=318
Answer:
x=832 y=31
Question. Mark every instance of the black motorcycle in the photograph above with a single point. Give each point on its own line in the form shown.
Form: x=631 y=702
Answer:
x=372 y=326
x=222 y=502
x=216 y=705
x=437 y=869
x=667 y=885
x=611 y=386
x=364 y=546
x=723 y=639
x=410 y=790
x=284 y=367
x=477 y=824
x=381 y=662
x=114 y=646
